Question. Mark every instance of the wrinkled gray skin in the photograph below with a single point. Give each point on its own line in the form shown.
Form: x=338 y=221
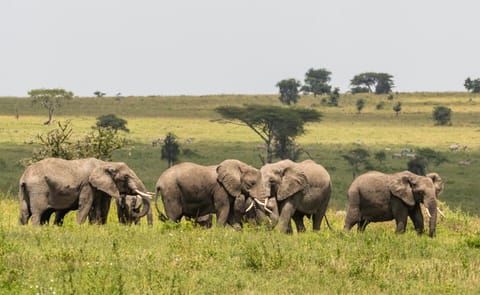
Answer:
x=131 y=208
x=300 y=189
x=57 y=185
x=192 y=190
x=375 y=197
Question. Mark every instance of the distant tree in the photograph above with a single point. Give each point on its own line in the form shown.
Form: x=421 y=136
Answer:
x=288 y=89
x=360 y=104
x=270 y=122
x=316 y=82
x=397 y=108
x=419 y=165
x=99 y=93
x=51 y=99
x=112 y=121
x=442 y=115
x=170 y=149
x=472 y=85
x=356 y=158
x=100 y=143
x=334 y=97
x=379 y=83
x=286 y=148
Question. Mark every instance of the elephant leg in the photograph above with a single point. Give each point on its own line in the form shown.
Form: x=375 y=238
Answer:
x=317 y=221
x=298 y=218
x=84 y=204
x=417 y=218
x=400 y=214
x=38 y=206
x=45 y=218
x=286 y=214
x=60 y=216
x=353 y=215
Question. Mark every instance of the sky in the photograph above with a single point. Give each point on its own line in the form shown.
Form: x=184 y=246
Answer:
x=192 y=47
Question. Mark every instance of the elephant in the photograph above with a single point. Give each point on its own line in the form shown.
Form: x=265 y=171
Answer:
x=60 y=185
x=130 y=209
x=300 y=189
x=193 y=191
x=375 y=197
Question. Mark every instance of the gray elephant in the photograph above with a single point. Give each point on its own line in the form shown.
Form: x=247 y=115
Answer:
x=375 y=196
x=62 y=185
x=300 y=189
x=131 y=208
x=193 y=191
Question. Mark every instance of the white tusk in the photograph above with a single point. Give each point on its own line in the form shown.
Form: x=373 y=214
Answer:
x=440 y=211
x=428 y=212
x=144 y=195
x=250 y=207
x=264 y=205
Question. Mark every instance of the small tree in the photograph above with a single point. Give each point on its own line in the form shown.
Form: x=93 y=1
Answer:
x=356 y=158
x=51 y=99
x=360 y=104
x=288 y=91
x=316 y=82
x=425 y=156
x=442 y=115
x=397 y=108
x=99 y=93
x=100 y=143
x=170 y=149
x=113 y=122
x=472 y=85
x=334 y=97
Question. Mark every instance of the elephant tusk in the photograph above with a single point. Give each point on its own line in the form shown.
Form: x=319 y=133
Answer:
x=428 y=212
x=250 y=207
x=441 y=213
x=263 y=204
x=144 y=195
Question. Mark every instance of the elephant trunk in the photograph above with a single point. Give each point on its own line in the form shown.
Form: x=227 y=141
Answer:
x=431 y=205
x=273 y=206
x=145 y=209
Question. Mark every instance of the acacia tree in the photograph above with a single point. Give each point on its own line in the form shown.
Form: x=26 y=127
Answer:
x=113 y=122
x=356 y=158
x=270 y=123
x=51 y=99
x=379 y=83
x=397 y=108
x=288 y=89
x=472 y=85
x=316 y=81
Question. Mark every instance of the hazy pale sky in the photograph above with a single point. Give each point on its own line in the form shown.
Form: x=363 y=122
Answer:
x=233 y=47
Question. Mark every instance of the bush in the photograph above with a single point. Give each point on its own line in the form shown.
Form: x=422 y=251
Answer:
x=442 y=115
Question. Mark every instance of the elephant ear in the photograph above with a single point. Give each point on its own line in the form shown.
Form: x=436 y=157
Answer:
x=437 y=182
x=102 y=179
x=293 y=181
x=400 y=187
x=230 y=176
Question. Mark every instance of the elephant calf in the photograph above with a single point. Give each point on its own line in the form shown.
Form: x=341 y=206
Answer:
x=375 y=197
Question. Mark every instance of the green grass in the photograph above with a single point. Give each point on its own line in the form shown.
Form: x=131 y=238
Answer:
x=179 y=258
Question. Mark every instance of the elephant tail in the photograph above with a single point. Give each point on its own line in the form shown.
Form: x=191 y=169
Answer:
x=161 y=216
x=328 y=223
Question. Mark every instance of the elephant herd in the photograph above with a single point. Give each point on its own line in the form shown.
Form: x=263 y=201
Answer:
x=234 y=191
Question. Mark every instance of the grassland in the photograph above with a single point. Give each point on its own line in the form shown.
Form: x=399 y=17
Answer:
x=179 y=259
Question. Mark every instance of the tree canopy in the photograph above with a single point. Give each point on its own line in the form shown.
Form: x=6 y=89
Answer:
x=472 y=85
x=270 y=122
x=112 y=121
x=51 y=99
x=379 y=83
x=170 y=149
x=316 y=81
x=288 y=89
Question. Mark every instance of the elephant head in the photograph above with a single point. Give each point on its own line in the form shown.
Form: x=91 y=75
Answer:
x=413 y=189
x=115 y=179
x=283 y=180
x=244 y=183
x=131 y=208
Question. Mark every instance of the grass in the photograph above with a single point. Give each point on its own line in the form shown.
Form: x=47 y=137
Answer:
x=180 y=258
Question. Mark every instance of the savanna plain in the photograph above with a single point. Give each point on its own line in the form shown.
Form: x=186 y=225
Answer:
x=169 y=258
